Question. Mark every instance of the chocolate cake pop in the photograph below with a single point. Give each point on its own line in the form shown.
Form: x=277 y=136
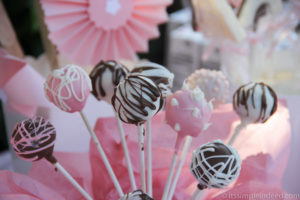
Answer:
x=136 y=99
x=136 y=195
x=68 y=88
x=158 y=74
x=105 y=76
x=215 y=165
x=213 y=83
x=33 y=139
x=255 y=102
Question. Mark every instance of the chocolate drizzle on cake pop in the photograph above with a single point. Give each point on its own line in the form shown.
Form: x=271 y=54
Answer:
x=118 y=73
x=160 y=75
x=242 y=95
x=215 y=165
x=136 y=99
x=136 y=195
x=33 y=139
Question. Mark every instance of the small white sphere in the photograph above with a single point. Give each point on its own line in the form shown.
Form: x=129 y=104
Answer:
x=255 y=102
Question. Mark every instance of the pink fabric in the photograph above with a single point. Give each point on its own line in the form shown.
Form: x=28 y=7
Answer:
x=78 y=30
x=22 y=85
x=264 y=150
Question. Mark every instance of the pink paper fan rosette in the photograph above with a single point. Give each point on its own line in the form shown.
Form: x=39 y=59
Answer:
x=87 y=31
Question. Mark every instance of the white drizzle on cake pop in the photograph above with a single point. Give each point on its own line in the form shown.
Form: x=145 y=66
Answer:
x=63 y=80
x=215 y=165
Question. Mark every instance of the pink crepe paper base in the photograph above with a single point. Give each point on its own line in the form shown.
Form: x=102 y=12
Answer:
x=262 y=168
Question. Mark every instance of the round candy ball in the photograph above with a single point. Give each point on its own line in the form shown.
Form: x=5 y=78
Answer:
x=213 y=83
x=33 y=139
x=157 y=73
x=136 y=99
x=68 y=88
x=188 y=112
x=215 y=165
x=136 y=195
x=255 y=102
x=105 y=77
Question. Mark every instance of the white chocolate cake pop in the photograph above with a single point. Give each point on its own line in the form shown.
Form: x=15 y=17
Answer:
x=105 y=77
x=158 y=74
x=136 y=195
x=213 y=83
x=255 y=102
x=136 y=99
x=215 y=165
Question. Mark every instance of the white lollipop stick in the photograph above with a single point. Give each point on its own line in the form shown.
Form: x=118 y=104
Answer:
x=197 y=194
x=126 y=153
x=237 y=132
x=142 y=156
x=170 y=175
x=103 y=156
x=149 y=158
x=180 y=165
x=72 y=181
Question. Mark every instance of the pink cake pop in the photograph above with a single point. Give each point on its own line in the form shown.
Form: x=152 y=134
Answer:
x=188 y=112
x=68 y=88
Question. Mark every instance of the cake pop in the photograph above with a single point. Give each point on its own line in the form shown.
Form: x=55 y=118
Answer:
x=254 y=103
x=215 y=165
x=105 y=76
x=158 y=74
x=164 y=80
x=33 y=139
x=188 y=113
x=68 y=88
x=136 y=195
x=213 y=83
x=136 y=100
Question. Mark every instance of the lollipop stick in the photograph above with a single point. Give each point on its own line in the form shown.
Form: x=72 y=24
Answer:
x=170 y=175
x=72 y=181
x=180 y=165
x=142 y=155
x=126 y=152
x=103 y=156
x=197 y=194
x=237 y=131
x=149 y=158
